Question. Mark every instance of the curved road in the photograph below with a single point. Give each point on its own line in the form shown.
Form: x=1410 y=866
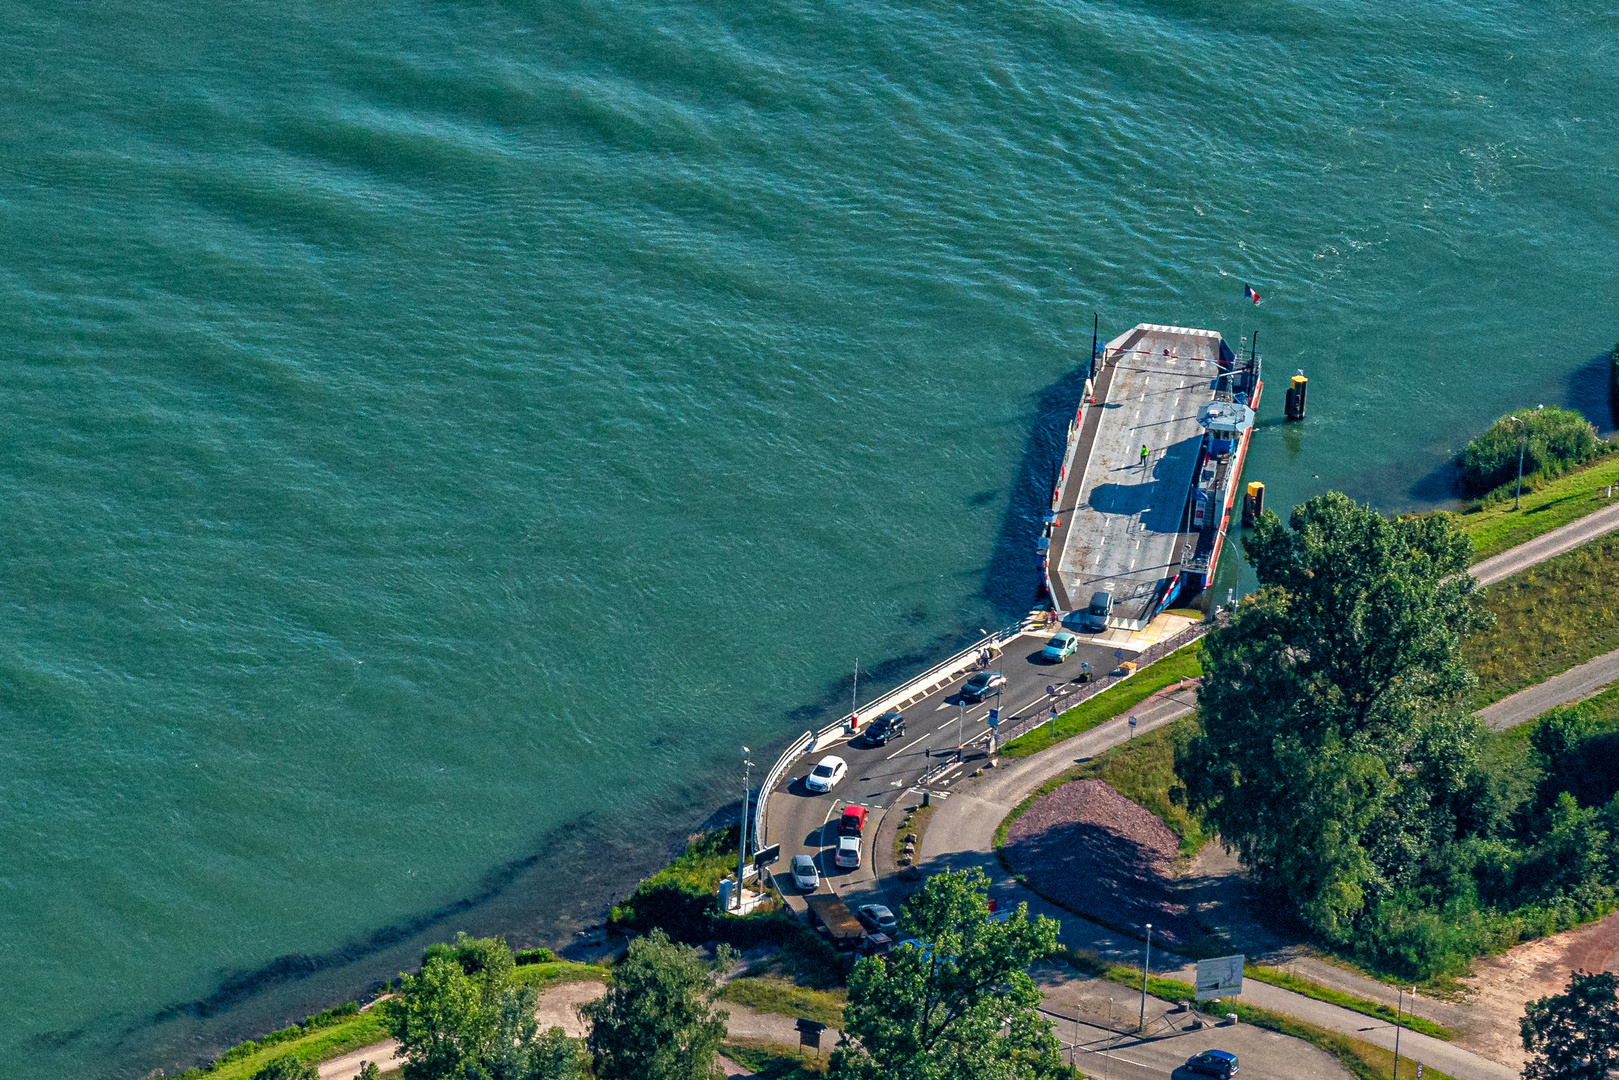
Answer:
x=804 y=822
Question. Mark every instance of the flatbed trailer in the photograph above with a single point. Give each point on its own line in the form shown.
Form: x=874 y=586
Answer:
x=834 y=915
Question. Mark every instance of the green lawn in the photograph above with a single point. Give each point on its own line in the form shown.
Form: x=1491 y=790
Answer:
x=1548 y=618
x=1183 y=663
x=775 y=1062
x=553 y=973
x=1495 y=526
x=773 y=993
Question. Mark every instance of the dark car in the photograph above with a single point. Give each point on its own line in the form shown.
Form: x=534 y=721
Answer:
x=890 y=725
x=1213 y=1063
x=981 y=685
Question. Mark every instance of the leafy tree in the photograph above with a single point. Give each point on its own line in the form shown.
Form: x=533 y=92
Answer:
x=368 y=1071
x=937 y=1013
x=464 y=1017
x=1574 y=1035
x=287 y=1067
x=658 y=1022
x=1335 y=751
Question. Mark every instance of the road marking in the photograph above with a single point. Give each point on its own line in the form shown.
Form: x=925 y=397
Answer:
x=915 y=744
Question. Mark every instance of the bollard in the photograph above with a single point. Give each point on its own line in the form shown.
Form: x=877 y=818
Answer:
x=1295 y=396
x=1253 y=503
x=1230 y=1019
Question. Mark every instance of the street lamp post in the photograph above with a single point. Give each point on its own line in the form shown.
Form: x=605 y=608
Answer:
x=1146 y=965
x=742 y=844
x=1523 y=444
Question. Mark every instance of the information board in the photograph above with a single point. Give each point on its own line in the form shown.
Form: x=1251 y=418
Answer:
x=1218 y=978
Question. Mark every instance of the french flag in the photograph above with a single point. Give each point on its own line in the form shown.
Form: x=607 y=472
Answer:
x=1248 y=291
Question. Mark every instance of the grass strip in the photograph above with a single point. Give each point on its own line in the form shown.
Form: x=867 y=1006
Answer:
x=775 y=1062
x=1548 y=618
x=1183 y=663
x=772 y=993
x=556 y=972
x=1300 y=985
x=1494 y=526
x=1365 y=1061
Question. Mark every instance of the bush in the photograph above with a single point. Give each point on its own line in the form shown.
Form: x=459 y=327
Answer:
x=680 y=898
x=533 y=956
x=1553 y=442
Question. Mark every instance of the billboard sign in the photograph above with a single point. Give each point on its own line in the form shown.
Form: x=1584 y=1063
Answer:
x=1218 y=978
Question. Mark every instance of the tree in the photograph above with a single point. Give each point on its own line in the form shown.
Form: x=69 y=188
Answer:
x=287 y=1067
x=1336 y=754
x=1574 y=1035
x=937 y=1012
x=465 y=1017
x=658 y=1022
x=368 y=1071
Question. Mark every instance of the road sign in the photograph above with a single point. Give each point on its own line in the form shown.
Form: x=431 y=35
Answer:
x=1419 y=1070
x=767 y=856
x=1218 y=978
x=1132 y=723
x=994 y=719
x=1051 y=691
x=1118 y=654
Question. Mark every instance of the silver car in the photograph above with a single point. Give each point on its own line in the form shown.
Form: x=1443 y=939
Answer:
x=805 y=875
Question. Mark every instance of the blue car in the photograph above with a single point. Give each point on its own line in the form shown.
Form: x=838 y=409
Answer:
x=1213 y=1063
x=1060 y=647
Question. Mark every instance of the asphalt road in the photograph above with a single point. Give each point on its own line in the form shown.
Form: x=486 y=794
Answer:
x=1547 y=545
x=804 y=822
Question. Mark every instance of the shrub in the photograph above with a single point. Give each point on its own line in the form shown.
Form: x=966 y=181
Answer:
x=533 y=956
x=1553 y=442
x=680 y=898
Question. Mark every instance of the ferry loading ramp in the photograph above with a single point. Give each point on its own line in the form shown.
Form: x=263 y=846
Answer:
x=1120 y=521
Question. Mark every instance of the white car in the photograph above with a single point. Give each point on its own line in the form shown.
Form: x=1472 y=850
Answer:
x=848 y=855
x=826 y=774
x=805 y=876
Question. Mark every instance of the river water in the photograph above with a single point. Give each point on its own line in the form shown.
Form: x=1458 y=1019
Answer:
x=439 y=434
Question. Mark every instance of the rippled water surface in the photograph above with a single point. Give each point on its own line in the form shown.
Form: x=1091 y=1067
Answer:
x=437 y=434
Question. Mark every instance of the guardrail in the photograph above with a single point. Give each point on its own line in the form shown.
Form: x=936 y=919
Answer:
x=773 y=777
x=900 y=696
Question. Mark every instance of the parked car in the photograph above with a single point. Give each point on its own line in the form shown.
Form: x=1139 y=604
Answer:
x=982 y=685
x=853 y=821
x=805 y=876
x=848 y=855
x=826 y=774
x=1060 y=647
x=876 y=916
x=1101 y=608
x=1213 y=1063
x=890 y=725
x=876 y=945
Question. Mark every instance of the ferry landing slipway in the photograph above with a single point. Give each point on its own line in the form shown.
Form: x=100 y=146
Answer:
x=1126 y=524
x=804 y=822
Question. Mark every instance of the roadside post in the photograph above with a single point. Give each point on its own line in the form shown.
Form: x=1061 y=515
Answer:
x=1146 y=965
